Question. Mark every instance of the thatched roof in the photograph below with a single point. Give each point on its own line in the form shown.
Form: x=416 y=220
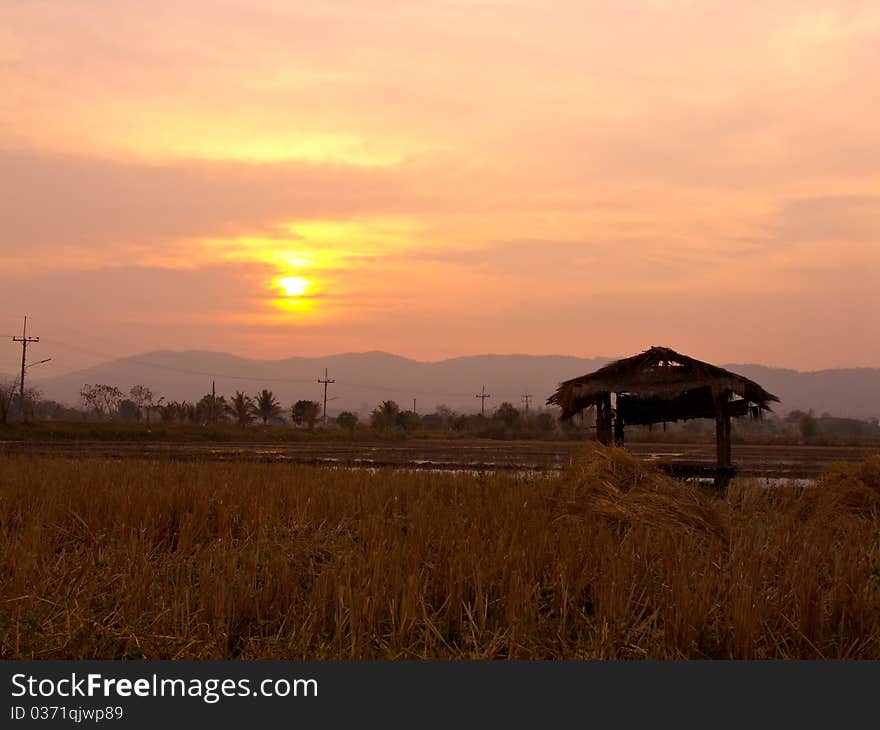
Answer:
x=671 y=385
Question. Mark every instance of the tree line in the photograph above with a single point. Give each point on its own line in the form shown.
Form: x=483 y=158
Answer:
x=106 y=402
x=102 y=402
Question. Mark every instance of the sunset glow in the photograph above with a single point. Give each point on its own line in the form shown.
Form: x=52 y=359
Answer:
x=293 y=286
x=444 y=178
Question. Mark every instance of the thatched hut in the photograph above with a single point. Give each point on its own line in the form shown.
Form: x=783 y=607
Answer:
x=661 y=385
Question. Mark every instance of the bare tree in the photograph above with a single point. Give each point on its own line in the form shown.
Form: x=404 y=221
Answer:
x=143 y=399
x=32 y=398
x=102 y=399
x=173 y=411
x=8 y=389
x=88 y=394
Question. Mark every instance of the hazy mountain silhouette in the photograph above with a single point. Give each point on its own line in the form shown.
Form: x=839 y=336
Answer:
x=845 y=392
x=364 y=379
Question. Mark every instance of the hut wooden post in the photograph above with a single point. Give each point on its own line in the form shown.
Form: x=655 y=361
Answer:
x=603 y=419
x=722 y=429
x=618 y=425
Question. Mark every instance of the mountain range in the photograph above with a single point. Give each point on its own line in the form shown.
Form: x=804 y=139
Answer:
x=363 y=380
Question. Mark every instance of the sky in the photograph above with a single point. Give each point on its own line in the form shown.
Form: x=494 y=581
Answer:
x=441 y=178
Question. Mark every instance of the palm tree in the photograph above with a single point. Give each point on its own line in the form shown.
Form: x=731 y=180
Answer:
x=210 y=409
x=267 y=407
x=242 y=409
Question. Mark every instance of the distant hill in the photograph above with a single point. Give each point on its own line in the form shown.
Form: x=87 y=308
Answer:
x=364 y=379
x=848 y=393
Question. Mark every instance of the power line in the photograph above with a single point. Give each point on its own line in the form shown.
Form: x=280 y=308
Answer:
x=228 y=376
x=231 y=376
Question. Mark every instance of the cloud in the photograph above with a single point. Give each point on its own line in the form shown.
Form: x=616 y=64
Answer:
x=525 y=257
x=588 y=264
x=53 y=201
x=136 y=293
x=853 y=218
x=85 y=316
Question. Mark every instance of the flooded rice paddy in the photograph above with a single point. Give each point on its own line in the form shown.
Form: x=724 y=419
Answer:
x=770 y=463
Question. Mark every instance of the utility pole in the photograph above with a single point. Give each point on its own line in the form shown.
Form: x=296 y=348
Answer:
x=526 y=399
x=414 y=405
x=482 y=396
x=325 y=381
x=24 y=339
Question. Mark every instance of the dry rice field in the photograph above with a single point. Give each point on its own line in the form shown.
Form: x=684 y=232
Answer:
x=108 y=558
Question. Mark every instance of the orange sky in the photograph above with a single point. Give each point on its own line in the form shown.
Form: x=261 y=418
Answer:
x=442 y=178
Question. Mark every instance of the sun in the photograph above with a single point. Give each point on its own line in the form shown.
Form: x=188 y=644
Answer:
x=293 y=286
